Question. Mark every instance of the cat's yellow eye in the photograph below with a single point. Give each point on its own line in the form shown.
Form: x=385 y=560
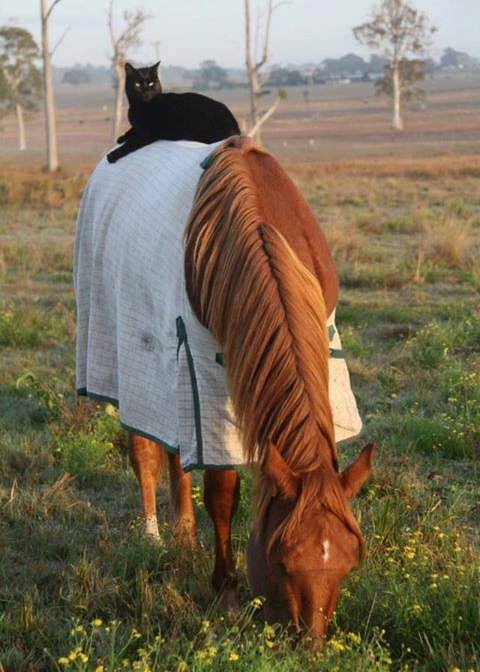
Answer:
x=151 y=84
x=137 y=84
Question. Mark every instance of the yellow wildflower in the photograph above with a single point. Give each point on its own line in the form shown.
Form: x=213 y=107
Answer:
x=337 y=645
x=353 y=637
x=233 y=656
x=63 y=661
x=97 y=622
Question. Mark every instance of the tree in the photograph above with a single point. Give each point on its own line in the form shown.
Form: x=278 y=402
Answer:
x=210 y=75
x=76 y=76
x=401 y=32
x=452 y=58
x=377 y=63
x=123 y=42
x=412 y=71
x=286 y=77
x=346 y=65
x=20 y=81
x=49 y=102
x=256 y=69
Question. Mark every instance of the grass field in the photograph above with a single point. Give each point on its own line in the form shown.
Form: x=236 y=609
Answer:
x=80 y=589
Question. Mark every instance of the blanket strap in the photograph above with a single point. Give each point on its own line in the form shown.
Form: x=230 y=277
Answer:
x=182 y=340
x=208 y=161
x=335 y=353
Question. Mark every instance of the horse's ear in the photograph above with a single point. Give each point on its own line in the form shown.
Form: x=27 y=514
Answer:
x=357 y=473
x=278 y=471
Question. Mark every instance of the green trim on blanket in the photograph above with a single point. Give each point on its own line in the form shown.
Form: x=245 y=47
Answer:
x=183 y=340
x=83 y=392
x=213 y=467
x=208 y=161
x=171 y=449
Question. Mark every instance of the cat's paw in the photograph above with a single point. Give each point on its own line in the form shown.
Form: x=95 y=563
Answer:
x=112 y=157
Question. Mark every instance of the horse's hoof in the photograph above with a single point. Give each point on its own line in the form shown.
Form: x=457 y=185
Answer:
x=229 y=602
x=154 y=539
x=185 y=532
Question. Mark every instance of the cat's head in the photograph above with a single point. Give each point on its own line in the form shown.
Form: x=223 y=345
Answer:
x=142 y=84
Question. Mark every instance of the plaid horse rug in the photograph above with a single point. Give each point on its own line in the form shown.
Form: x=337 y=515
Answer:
x=139 y=345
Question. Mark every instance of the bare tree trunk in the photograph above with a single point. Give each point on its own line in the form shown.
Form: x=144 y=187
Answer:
x=256 y=78
x=250 y=62
x=22 y=145
x=118 y=111
x=397 y=99
x=255 y=130
x=49 y=103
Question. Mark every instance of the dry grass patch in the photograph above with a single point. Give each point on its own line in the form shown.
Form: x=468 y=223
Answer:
x=429 y=168
x=346 y=242
x=41 y=190
x=451 y=242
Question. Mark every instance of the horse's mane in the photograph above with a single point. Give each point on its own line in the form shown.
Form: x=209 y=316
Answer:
x=267 y=312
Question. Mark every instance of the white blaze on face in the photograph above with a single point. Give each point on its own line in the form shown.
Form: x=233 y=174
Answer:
x=326 y=550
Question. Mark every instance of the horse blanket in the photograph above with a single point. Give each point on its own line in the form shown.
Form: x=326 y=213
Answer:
x=139 y=345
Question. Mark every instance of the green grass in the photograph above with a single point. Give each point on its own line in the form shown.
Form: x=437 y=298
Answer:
x=80 y=589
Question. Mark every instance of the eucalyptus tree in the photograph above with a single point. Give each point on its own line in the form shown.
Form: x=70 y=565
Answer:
x=400 y=32
x=20 y=80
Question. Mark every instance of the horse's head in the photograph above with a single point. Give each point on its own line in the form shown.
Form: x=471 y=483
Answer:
x=299 y=573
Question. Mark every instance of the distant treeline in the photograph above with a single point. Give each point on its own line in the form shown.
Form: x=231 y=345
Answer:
x=211 y=75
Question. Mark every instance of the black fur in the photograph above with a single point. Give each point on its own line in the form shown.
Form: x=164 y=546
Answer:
x=155 y=115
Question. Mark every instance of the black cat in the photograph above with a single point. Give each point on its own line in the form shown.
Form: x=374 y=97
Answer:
x=155 y=115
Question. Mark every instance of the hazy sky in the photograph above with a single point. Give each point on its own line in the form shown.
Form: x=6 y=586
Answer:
x=190 y=31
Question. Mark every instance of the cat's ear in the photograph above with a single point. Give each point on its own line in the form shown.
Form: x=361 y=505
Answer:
x=129 y=69
x=155 y=66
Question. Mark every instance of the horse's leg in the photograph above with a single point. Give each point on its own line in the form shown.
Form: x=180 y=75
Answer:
x=147 y=458
x=184 y=525
x=221 y=495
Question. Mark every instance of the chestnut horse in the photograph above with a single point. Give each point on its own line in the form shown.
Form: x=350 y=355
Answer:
x=260 y=277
